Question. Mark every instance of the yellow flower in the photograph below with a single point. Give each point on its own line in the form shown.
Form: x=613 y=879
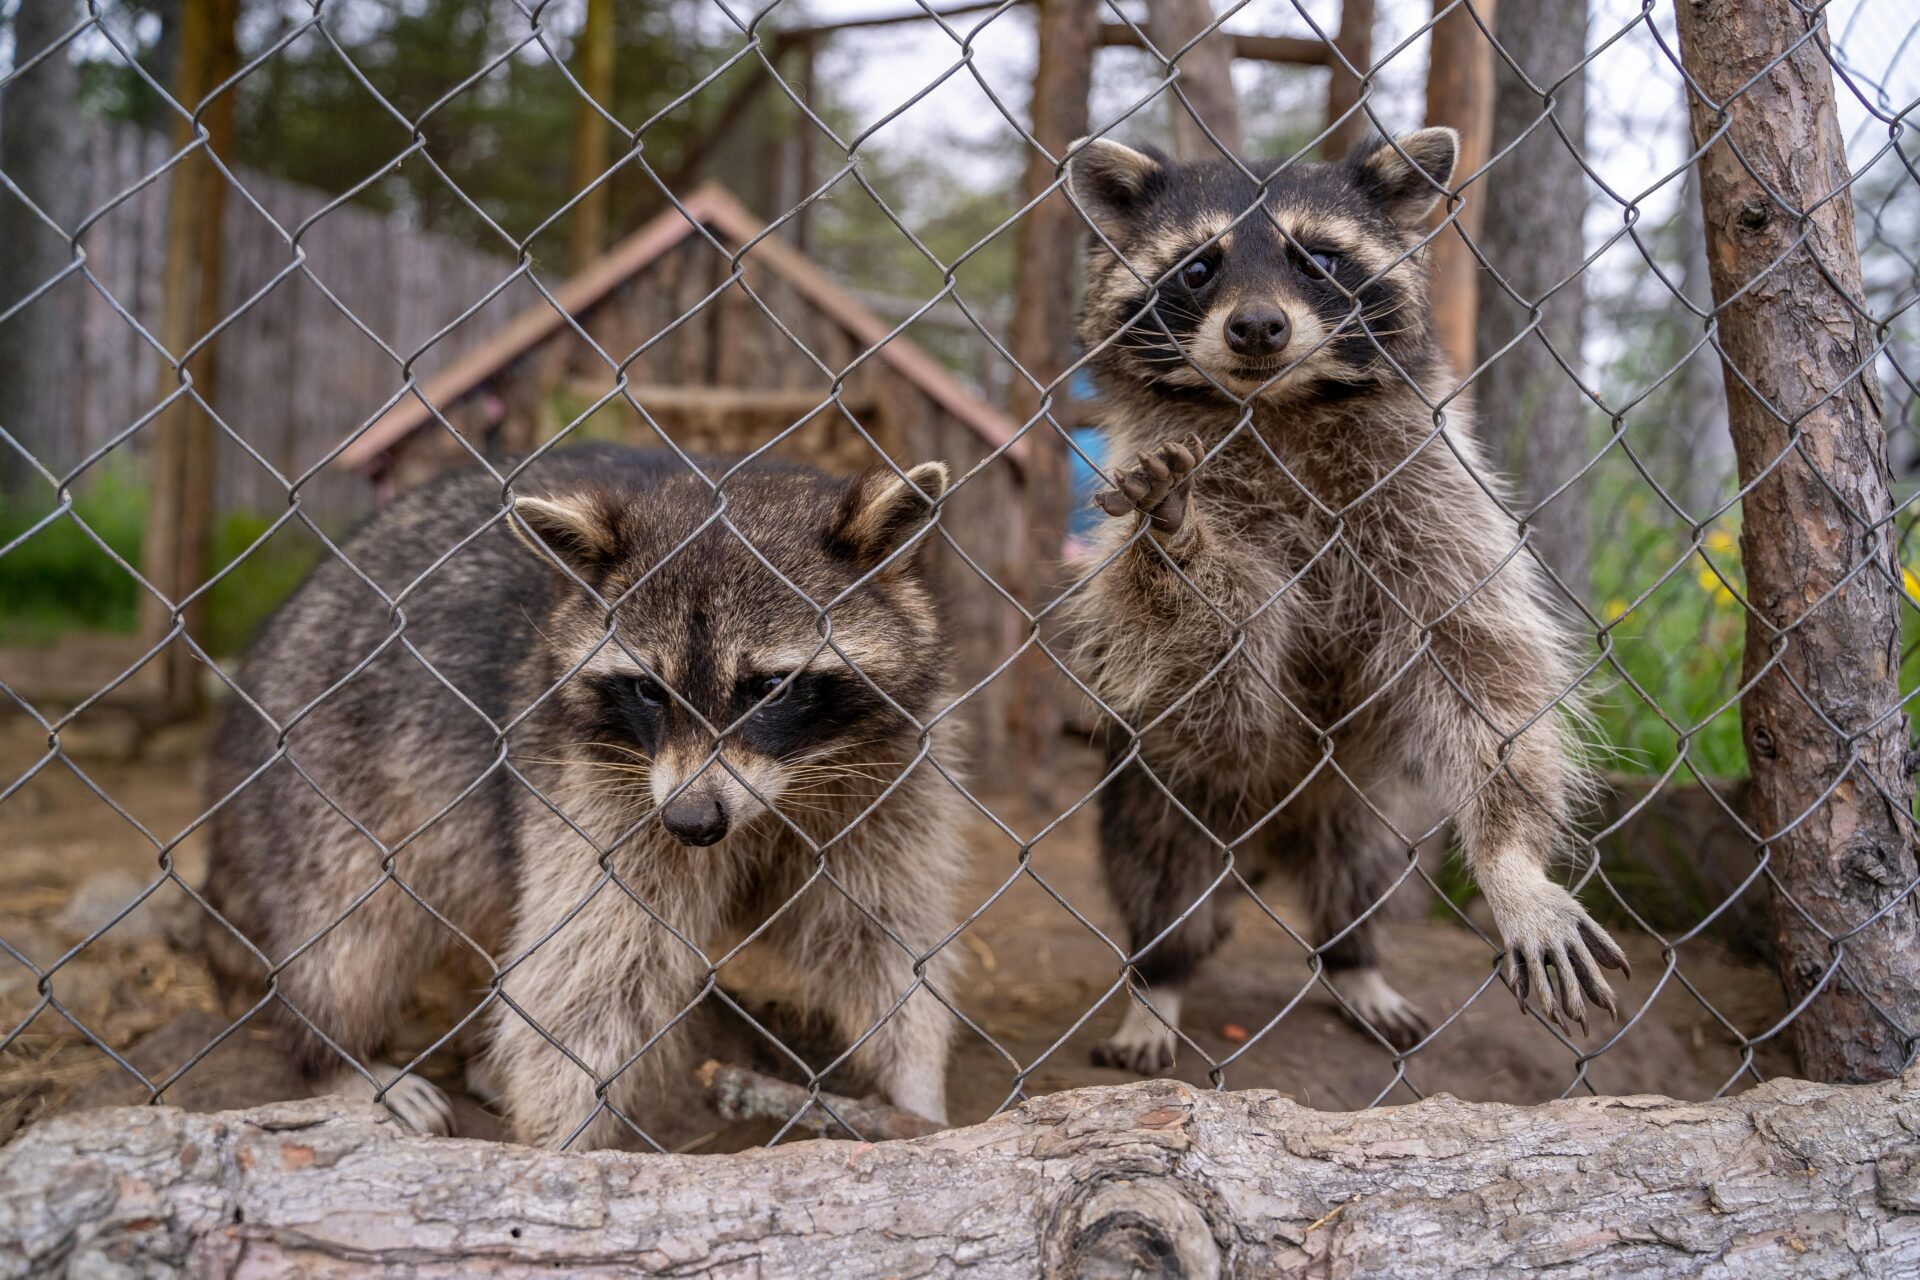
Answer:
x=1710 y=583
x=1613 y=609
x=1911 y=583
x=1721 y=542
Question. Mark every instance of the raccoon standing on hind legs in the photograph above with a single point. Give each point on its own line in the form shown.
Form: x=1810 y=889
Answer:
x=1306 y=590
x=681 y=752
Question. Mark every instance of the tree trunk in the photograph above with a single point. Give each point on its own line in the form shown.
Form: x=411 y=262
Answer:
x=1533 y=414
x=595 y=73
x=1354 y=42
x=1460 y=93
x=1825 y=738
x=40 y=148
x=1043 y=307
x=1203 y=94
x=180 y=440
x=1701 y=449
x=1154 y=1179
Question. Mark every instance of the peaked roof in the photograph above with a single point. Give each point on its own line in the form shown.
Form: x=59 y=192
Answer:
x=716 y=208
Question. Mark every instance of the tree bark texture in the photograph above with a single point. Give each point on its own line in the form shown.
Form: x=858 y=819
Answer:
x=1150 y=1179
x=1460 y=94
x=41 y=132
x=1533 y=415
x=180 y=440
x=1826 y=741
x=1205 y=82
x=1042 y=342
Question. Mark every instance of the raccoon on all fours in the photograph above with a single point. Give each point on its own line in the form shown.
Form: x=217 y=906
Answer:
x=1309 y=598
x=628 y=797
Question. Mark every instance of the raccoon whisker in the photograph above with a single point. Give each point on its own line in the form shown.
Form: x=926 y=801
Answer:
x=621 y=747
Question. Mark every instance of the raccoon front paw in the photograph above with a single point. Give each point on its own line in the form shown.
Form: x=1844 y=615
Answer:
x=419 y=1104
x=1555 y=952
x=1156 y=486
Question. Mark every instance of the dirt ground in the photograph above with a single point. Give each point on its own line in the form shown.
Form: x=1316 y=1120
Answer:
x=1040 y=987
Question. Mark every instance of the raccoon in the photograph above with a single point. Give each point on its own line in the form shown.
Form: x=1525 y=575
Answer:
x=591 y=745
x=1309 y=605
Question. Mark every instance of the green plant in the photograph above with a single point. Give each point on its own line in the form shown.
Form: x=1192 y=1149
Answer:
x=60 y=579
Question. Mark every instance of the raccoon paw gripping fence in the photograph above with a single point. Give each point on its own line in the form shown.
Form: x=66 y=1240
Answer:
x=683 y=576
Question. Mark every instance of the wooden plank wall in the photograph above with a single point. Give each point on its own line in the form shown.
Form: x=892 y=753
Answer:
x=293 y=377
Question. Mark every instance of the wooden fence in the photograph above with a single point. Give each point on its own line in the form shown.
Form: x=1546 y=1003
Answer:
x=293 y=376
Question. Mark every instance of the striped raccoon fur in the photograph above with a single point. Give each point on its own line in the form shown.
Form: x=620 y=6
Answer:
x=1308 y=597
x=632 y=801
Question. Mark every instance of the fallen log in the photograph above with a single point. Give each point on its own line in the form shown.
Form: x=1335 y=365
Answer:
x=1148 y=1179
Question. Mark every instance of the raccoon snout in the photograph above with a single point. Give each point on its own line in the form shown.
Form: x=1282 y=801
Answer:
x=695 y=817
x=1258 y=329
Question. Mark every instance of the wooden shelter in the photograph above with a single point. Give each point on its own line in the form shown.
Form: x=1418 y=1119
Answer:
x=707 y=365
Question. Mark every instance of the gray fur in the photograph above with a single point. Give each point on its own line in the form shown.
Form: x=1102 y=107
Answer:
x=1335 y=643
x=587 y=859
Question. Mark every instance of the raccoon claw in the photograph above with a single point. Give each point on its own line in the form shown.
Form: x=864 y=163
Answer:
x=1556 y=961
x=1155 y=486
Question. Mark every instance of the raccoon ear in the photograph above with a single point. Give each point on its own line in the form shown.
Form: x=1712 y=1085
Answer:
x=880 y=512
x=1408 y=185
x=583 y=529
x=1112 y=182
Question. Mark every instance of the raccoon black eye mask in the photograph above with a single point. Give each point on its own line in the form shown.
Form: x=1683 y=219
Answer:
x=771 y=715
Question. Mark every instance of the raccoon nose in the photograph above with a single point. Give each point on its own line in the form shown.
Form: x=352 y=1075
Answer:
x=1257 y=329
x=695 y=818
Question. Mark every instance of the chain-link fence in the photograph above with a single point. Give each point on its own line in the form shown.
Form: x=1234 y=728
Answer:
x=683 y=760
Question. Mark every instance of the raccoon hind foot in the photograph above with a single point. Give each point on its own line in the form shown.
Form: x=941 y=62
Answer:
x=417 y=1103
x=1371 y=1005
x=1143 y=1044
x=1155 y=486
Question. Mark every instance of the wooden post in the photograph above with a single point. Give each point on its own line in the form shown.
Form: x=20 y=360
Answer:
x=1460 y=93
x=595 y=73
x=1354 y=42
x=1049 y=253
x=1206 y=80
x=1825 y=738
x=180 y=439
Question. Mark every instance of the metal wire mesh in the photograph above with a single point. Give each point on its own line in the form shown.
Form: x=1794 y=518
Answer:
x=1660 y=603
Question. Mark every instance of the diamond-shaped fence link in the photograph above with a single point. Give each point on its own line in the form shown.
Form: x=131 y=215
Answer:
x=465 y=868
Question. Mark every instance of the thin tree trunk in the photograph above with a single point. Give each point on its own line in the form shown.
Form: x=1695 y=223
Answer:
x=590 y=131
x=1533 y=415
x=40 y=147
x=1203 y=94
x=1825 y=737
x=180 y=440
x=1354 y=41
x=1460 y=93
x=1701 y=450
x=1153 y=1179
x=1049 y=253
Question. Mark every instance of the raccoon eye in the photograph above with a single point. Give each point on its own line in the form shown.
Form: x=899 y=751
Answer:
x=777 y=686
x=1196 y=273
x=1326 y=261
x=650 y=691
